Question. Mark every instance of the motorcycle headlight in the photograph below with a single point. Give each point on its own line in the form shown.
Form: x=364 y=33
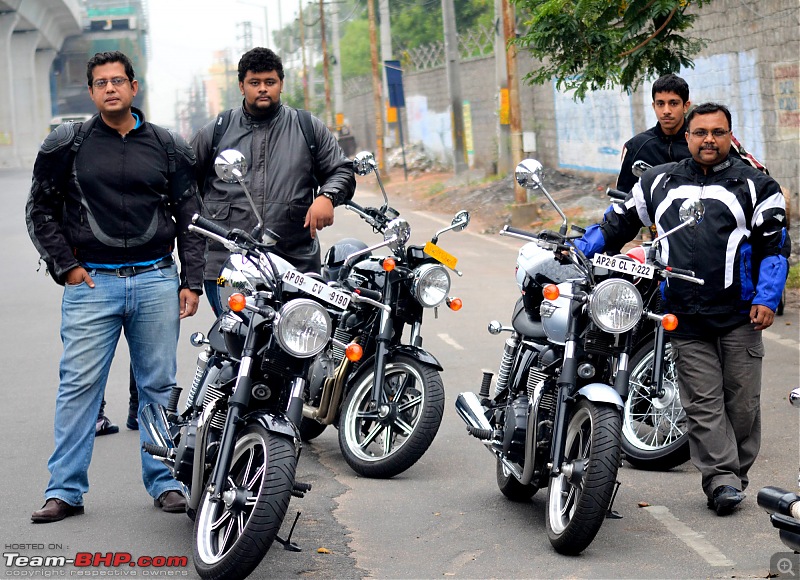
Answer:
x=302 y=327
x=615 y=305
x=431 y=285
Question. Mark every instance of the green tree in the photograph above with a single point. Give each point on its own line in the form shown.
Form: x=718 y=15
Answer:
x=588 y=45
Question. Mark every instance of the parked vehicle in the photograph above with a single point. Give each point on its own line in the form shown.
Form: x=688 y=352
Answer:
x=554 y=419
x=388 y=406
x=784 y=506
x=235 y=445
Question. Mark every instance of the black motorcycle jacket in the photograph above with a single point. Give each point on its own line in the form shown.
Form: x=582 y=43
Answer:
x=737 y=249
x=114 y=200
x=654 y=147
x=281 y=178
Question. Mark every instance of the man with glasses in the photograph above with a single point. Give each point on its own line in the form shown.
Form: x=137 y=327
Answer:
x=104 y=211
x=738 y=250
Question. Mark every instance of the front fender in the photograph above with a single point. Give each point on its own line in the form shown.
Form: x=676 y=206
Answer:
x=601 y=393
x=414 y=352
x=274 y=423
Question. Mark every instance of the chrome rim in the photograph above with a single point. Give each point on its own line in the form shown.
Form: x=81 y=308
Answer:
x=221 y=524
x=565 y=494
x=650 y=423
x=373 y=435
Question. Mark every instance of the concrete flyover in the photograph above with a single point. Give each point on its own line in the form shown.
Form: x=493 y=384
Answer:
x=31 y=34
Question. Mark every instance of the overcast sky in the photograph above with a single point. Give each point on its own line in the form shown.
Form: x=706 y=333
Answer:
x=184 y=35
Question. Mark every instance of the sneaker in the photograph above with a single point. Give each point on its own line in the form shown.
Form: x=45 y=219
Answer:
x=104 y=426
x=132 y=423
x=725 y=499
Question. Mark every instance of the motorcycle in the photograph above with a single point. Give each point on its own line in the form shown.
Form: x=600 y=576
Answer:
x=654 y=426
x=783 y=506
x=555 y=417
x=235 y=445
x=388 y=406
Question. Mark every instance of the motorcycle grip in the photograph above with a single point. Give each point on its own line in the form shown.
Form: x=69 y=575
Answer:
x=616 y=194
x=519 y=232
x=777 y=501
x=680 y=271
x=367 y=293
x=212 y=227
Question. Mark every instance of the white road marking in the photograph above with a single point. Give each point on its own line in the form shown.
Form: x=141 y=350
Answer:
x=449 y=340
x=688 y=536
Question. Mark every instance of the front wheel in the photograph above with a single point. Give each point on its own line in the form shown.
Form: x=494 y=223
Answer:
x=579 y=497
x=385 y=441
x=654 y=429
x=233 y=535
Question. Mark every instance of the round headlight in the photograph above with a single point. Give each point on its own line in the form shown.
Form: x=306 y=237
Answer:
x=615 y=305
x=302 y=327
x=431 y=285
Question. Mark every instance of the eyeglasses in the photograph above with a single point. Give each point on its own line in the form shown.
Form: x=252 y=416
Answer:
x=702 y=133
x=116 y=81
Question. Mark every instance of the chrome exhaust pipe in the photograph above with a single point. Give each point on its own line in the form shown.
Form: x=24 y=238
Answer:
x=470 y=410
x=155 y=425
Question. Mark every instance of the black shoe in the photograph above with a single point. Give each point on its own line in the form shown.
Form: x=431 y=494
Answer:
x=171 y=501
x=55 y=510
x=725 y=499
x=132 y=423
x=104 y=426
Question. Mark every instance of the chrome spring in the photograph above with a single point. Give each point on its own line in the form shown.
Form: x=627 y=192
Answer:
x=199 y=373
x=212 y=394
x=509 y=350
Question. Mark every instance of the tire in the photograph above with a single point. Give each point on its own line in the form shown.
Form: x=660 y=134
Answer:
x=654 y=431
x=511 y=487
x=575 y=511
x=310 y=429
x=268 y=463
x=382 y=448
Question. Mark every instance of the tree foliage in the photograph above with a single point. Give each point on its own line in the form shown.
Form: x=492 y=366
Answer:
x=588 y=45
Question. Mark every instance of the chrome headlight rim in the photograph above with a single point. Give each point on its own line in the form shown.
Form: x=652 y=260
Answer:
x=422 y=284
x=286 y=318
x=627 y=300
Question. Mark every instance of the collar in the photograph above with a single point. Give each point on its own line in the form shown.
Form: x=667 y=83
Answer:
x=679 y=136
x=137 y=114
x=718 y=168
x=253 y=120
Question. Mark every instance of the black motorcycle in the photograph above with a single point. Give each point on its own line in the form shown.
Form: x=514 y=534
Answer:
x=388 y=406
x=235 y=446
x=555 y=417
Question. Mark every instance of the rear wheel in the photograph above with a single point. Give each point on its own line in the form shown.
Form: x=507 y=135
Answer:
x=310 y=429
x=579 y=497
x=511 y=486
x=654 y=429
x=232 y=536
x=388 y=440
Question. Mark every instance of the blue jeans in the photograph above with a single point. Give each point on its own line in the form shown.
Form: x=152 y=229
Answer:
x=146 y=307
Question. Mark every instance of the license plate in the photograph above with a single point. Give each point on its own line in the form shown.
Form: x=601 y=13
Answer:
x=440 y=255
x=624 y=266
x=316 y=288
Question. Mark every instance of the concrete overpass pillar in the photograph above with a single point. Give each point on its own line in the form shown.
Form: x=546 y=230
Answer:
x=8 y=117
x=44 y=103
x=27 y=85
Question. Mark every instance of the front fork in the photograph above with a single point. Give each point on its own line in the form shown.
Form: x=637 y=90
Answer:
x=383 y=340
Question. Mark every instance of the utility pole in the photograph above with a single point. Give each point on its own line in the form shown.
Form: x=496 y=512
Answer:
x=501 y=79
x=376 y=87
x=338 y=92
x=509 y=32
x=454 y=84
x=306 y=88
x=325 y=73
x=386 y=54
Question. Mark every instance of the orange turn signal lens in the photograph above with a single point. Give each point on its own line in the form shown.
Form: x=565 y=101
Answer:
x=237 y=302
x=389 y=264
x=669 y=322
x=454 y=304
x=550 y=292
x=354 y=352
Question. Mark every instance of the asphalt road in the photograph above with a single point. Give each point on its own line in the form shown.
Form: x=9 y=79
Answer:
x=442 y=518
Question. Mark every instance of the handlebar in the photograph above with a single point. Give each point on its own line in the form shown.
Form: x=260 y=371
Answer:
x=207 y=224
x=616 y=194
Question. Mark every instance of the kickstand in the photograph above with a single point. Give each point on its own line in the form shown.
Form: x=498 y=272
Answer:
x=287 y=543
x=611 y=514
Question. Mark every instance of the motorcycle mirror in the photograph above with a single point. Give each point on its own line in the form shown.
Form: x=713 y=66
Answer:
x=529 y=174
x=460 y=220
x=230 y=166
x=794 y=397
x=364 y=163
x=692 y=210
x=397 y=233
x=639 y=167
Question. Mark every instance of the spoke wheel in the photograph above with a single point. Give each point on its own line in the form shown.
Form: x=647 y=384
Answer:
x=579 y=497
x=384 y=441
x=654 y=429
x=232 y=536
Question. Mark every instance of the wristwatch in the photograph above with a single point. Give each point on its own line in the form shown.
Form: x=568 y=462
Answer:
x=329 y=195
